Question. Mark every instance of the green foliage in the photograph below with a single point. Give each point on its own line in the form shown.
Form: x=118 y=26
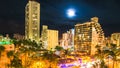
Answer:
x=113 y=51
x=10 y=53
x=2 y=48
x=58 y=48
x=16 y=62
x=49 y=55
x=27 y=45
x=102 y=65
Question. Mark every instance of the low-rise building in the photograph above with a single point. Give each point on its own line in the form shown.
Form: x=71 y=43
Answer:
x=9 y=46
x=115 y=38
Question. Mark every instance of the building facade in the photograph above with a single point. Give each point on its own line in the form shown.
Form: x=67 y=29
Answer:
x=18 y=36
x=32 y=20
x=52 y=38
x=87 y=36
x=67 y=41
x=115 y=38
x=49 y=37
x=44 y=35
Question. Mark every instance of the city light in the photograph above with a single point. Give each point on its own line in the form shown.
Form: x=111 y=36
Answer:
x=84 y=46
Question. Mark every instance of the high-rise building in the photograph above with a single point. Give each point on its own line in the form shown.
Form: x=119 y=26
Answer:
x=49 y=37
x=52 y=39
x=32 y=20
x=67 y=41
x=115 y=38
x=88 y=35
x=44 y=35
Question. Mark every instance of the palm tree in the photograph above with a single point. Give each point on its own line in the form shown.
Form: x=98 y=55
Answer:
x=29 y=48
x=10 y=55
x=101 y=54
x=2 y=48
x=58 y=48
x=17 y=43
x=114 y=52
x=24 y=50
x=50 y=56
x=16 y=62
x=20 y=46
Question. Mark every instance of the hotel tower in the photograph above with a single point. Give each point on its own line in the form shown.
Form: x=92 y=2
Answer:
x=88 y=35
x=32 y=20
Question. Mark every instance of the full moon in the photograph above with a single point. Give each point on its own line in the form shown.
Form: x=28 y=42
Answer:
x=71 y=12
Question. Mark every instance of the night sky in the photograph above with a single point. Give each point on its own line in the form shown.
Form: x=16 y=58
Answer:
x=53 y=14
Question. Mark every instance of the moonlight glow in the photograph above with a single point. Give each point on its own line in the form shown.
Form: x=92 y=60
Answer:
x=71 y=12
